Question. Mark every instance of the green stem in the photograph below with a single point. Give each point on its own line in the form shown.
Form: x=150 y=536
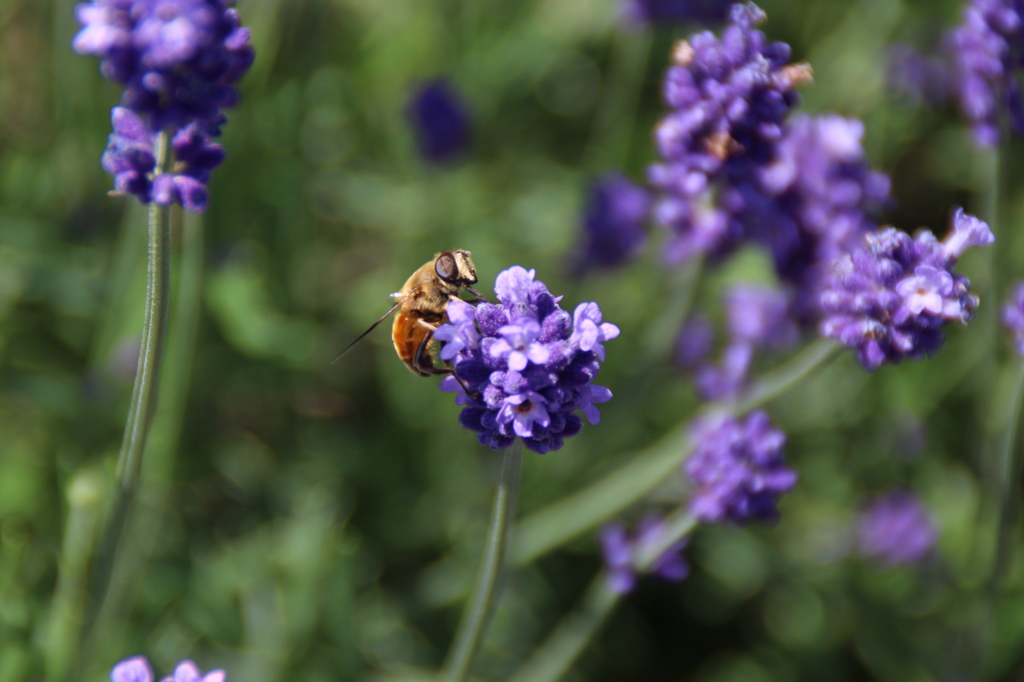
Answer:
x=556 y=524
x=564 y=645
x=144 y=393
x=556 y=654
x=1008 y=468
x=85 y=494
x=474 y=624
x=613 y=127
x=163 y=440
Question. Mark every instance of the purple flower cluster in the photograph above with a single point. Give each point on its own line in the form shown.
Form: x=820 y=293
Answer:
x=674 y=11
x=822 y=188
x=1013 y=316
x=136 y=669
x=622 y=553
x=613 y=222
x=728 y=99
x=440 y=120
x=179 y=61
x=736 y=168
x=757 y=317
x=890 y=297
x=528 y=364
x=130 y=158
x=896 y=529
x=737 y=469
x=987 y=49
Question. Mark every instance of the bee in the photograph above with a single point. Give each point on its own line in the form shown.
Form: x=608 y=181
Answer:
x=421 y=305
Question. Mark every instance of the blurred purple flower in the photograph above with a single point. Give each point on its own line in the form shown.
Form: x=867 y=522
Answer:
x=986 y=49
x=918 y=76
x=440 y=120
x=824 y=190
x=613 y=222
x=1013 y=316
x=136 y=669
x=725 y=380
x=757 y=317
x=760 y=316
x=527 y=363
x=728 y=98
x=674 y=11
x=622 y=552
x=693 y=342
x=737 y=469
x=178 y=59
x=890 y=297
x=896 y=529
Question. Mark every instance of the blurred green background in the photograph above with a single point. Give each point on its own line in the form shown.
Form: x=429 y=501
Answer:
x=303 y=521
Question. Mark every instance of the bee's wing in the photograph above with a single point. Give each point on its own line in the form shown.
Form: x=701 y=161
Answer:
x=372 y=327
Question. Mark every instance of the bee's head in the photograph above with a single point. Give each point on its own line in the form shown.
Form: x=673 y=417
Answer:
x=455 y=267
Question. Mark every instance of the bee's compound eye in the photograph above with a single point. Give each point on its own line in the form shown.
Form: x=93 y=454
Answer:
x=445 y=267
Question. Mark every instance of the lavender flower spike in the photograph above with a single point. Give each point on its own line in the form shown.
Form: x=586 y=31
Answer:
x=728 y=97
x=178 y=59
x=896 y=529
x=613 y=222
x=440 y=120
x=985 y=51
x=188 y=672
x=136 y=669
x=1013 y=316
x=131 y=158
x=890 y=297
x=622 y=552
x=673 y=11
x=528 y=366
x=737 y=469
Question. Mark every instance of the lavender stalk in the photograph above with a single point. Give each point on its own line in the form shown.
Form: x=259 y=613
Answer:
x=567 y=641
x=144 y=392
x=561 y=521
x=488 y=587
x=1008 y=466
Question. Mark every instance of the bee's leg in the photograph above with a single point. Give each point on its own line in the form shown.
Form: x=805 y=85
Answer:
x=423 y=362
x=480 y=298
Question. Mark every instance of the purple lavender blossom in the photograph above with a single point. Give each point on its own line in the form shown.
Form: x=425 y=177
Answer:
x=890 y=297
x=896 y=529
x=693 y=342
x=130 y=158
x=613 y=222
x=737 y=469
x=674 y=11
x=726 y=379
x=918 y=76
x=823 y=190
x=178 y=59
x=757 y=317
x=622 y=552
x=1013 y=316
x=987 y=48
x=728 y=99
x=440 y=120
x=136 y=669
x=527 y=363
